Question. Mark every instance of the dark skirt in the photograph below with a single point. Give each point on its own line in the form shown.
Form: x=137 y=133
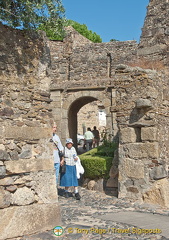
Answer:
x=69 y=178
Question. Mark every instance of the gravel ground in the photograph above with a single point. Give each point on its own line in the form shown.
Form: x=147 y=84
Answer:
x=80 y=219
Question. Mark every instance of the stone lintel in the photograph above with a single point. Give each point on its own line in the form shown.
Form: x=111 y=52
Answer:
x=28 y=165
x=26 y=133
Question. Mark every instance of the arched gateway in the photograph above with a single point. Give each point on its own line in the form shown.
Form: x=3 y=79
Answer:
x=69 y=102
x=42 y=80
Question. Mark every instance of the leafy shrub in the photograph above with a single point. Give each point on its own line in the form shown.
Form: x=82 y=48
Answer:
x=95 y=166
x=83 y=30
x=106 y=149
x=98 y=161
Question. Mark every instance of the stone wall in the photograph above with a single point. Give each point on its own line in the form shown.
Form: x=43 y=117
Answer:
x=137 y=77
x=28 y=196
x=154 y=41
x=143 y=145
x=97 y=61
x=88 y=116
x=42 y=81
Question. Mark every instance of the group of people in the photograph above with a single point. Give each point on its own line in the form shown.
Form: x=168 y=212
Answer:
x=92 y=138
x=69 y=157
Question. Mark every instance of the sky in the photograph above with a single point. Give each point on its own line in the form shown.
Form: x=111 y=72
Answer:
x=110 y=19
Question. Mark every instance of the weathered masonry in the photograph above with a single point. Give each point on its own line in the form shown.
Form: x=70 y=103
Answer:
x=42 y=81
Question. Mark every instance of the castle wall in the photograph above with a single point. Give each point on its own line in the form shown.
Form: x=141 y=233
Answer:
x=28 y=195
x=154 y=41
x=141 y=110
x=138 y=78
x=97 y=61
x=40 y=81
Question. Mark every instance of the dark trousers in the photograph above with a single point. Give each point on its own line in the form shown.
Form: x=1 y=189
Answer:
x=89 y=144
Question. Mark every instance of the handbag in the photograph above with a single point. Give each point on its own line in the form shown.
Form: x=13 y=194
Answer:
x=63 y=168
x=60 y=153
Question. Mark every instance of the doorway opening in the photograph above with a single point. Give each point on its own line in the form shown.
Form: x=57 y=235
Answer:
x=85 y=112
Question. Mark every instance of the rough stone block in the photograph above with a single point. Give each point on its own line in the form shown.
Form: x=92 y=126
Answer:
x=143 y=103
x=112 y=182
x=5 y=198
x=113 y=172
x=98 y=185
x=4 y=155
x=57 y=112
x=127 y=135
x=40 y=184
x=55 y=95
x=106 y=102
x=132 y=189
x=142 y=150
x=27 y=133
x=158 y=193
x=23 y=220
x=158 y=172
x=1 y=163
x=23 y=196
x=2 y=147
x=91 y=185
x=6 y=181
x=149 y=134
x=2 y=171
x=134 y=168
x=28 y=165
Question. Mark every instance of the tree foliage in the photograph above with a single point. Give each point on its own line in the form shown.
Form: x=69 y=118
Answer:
x=54 y=29
x=83 y=30
x=113 y=40
x=28 y=14
x=49 y=28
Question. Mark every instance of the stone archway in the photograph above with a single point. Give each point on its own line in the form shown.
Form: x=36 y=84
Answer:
x=72 y=115
x=74 y=101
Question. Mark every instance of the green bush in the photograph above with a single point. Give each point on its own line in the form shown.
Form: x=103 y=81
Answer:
x=96 y=166
x=98 y=161
x=107 y=149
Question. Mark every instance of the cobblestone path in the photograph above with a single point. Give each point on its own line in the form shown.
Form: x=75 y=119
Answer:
x=83 y=219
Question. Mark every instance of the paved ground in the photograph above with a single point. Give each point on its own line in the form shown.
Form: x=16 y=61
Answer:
x=99 y=216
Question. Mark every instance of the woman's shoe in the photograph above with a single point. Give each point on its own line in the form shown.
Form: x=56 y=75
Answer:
x=66 y=195
x=77 y=196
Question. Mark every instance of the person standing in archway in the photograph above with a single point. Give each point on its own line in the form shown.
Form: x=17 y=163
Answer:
x=89 y=137
x=57 y=146
x=96 y=137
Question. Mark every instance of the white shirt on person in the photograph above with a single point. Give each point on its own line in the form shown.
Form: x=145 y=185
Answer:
x=68 y=156
x=56 y=145
x=88 y=135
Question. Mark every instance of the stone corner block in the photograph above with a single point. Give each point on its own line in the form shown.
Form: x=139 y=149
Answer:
x=127 y=135
x=149 y=134
x=134 y=168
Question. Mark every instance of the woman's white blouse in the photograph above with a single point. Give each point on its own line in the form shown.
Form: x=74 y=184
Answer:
x=68 y=156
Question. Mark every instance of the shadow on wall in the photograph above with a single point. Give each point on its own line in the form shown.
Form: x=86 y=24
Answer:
x=141 y=117
x=23 y=50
